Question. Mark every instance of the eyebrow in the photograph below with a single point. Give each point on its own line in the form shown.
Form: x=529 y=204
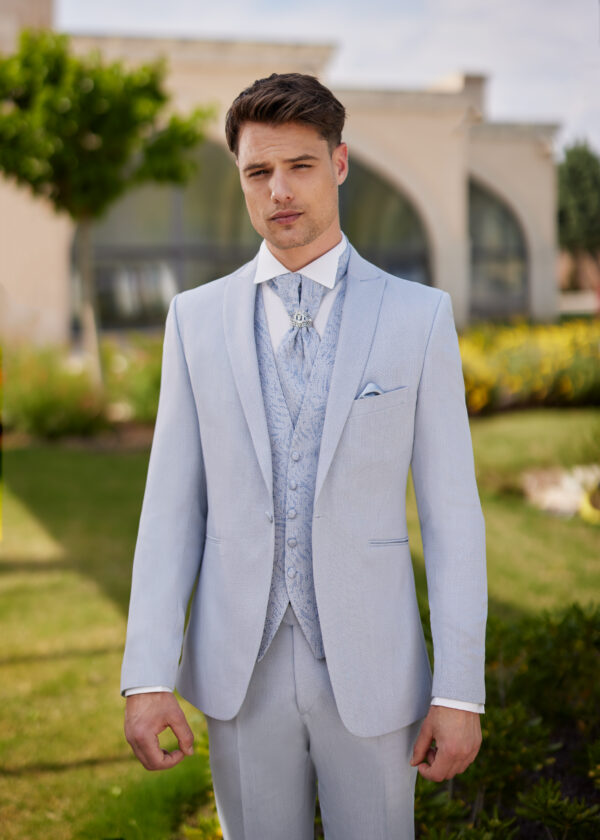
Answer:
x=288 y=160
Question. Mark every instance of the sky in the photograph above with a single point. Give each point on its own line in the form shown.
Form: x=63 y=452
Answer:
x=542 y=57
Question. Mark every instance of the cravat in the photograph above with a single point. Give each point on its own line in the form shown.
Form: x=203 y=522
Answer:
x=296 y=353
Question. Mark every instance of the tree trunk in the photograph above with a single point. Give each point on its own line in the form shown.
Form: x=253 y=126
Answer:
x=89 y=319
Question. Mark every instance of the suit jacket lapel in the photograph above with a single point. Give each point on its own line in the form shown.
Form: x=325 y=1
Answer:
x=238 y=315
x=364 y=291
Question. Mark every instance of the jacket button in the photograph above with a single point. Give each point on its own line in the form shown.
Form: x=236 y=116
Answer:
x=269 y=515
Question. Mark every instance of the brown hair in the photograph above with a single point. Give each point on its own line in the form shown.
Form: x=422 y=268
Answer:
x=283 y=98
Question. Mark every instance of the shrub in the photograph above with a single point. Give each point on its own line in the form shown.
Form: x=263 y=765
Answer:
x=563 y=817
x=531 y=364
x=542 y=714
x=132 y=371
x=46 y=396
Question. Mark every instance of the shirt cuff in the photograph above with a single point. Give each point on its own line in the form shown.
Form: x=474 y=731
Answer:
x=462 y=705
x=147 y=689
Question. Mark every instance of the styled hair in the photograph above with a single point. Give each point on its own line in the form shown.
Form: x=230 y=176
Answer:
x=285 y=98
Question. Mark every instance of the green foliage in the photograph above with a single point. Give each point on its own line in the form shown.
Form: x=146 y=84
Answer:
x=579 y=200
x=545 y=804
x=531 y=364
x=437 y=813
x=593 y=754
x=133 y=372
x=554 y=670
x=46 y=397
x=515 y=742
x=542 y=707
x=81 y=131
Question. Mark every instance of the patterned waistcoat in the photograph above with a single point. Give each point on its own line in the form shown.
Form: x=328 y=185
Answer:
x=295 y=455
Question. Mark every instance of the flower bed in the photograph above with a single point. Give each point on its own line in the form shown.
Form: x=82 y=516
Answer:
x=526 y=365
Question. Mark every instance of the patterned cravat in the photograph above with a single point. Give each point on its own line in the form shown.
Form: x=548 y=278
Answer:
x=296 y=353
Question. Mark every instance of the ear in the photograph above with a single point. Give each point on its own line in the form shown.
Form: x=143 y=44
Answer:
x=339 y=158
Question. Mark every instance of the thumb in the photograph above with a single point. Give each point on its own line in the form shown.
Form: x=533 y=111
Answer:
x=423 y=742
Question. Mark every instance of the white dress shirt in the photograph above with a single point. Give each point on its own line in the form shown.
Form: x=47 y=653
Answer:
x=323 y=270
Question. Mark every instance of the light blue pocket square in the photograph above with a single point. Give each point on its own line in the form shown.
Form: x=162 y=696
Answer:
x=370 y=390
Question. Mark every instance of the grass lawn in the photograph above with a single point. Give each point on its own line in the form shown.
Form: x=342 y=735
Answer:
x=70 y=519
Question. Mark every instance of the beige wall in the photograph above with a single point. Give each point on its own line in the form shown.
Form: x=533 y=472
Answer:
x=17 y=14
x=34 y=268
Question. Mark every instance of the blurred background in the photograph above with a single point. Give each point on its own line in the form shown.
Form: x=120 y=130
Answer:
x=474 y=138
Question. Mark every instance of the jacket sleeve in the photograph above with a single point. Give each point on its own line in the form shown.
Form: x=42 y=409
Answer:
x=171 y=531
x=450 y=516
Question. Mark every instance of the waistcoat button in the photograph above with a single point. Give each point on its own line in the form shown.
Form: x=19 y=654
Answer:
x=292 y=542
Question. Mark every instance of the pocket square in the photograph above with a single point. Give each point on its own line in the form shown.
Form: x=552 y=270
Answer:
x=370 y=390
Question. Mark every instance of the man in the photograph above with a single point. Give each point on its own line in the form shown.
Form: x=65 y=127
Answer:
x=295 y=395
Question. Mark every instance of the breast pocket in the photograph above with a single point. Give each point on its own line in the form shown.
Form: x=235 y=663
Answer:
x=381 y=426
x=379 y=402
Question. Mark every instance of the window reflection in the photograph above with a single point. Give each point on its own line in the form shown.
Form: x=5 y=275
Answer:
x=383 y=225
x=498 y=257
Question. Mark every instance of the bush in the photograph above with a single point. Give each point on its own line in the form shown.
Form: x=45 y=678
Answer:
x=563 y=817
x=543 y=697
x=132 y=371
x=531 y=364
x=46 y=396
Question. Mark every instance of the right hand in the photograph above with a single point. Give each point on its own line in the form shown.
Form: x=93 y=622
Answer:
x=146 y=716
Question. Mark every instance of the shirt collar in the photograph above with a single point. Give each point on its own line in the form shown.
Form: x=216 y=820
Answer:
x=323 y=270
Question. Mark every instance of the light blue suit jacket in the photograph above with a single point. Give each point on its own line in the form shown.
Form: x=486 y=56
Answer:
x=206 y=527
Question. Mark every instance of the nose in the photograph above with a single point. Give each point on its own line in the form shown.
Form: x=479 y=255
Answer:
x=281 y=190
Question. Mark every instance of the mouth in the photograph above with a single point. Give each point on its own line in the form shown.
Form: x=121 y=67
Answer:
x=285 y=217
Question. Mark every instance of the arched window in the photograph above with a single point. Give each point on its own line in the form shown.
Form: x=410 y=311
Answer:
x=498 y=257
x=383 y=225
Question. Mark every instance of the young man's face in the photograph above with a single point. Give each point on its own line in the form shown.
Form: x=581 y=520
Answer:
x=290 y=182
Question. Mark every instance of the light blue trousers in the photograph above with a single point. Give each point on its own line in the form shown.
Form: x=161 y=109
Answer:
x=287 y=735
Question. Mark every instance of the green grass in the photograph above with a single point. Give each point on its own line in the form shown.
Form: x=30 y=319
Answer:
x=70 y=520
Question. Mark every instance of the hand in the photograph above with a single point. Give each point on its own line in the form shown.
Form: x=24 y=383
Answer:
x=146 y=716
x=457 y=736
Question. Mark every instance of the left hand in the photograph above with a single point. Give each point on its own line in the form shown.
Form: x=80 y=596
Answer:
x=457 y=736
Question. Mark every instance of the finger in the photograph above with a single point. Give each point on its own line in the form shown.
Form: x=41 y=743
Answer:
x=438 y=766
x=155 y=758
x=183 y=733
x=422 y=744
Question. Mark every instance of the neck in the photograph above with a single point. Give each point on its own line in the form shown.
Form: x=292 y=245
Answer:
x=296 y=258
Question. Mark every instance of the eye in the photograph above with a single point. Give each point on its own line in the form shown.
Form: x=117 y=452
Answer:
x=302 y=166
x=256 y=173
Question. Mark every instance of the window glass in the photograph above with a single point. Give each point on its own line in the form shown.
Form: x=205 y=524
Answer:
x=498 y=257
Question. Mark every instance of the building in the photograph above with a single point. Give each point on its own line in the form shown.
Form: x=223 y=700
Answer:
x=437 y=193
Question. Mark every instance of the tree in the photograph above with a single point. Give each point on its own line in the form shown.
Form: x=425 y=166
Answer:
x=579 y=202
x=81 y=132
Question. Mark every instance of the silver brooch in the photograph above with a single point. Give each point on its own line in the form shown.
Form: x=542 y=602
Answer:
x=300 y=319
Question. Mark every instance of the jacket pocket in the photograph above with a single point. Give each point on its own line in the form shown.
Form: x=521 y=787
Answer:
x=378 y=402
x=390 y=541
